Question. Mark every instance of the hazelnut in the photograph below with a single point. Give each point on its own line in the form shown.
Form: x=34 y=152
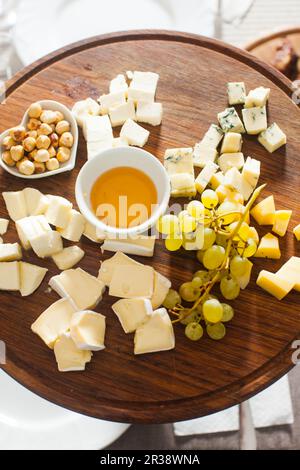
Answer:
x=39 y=167
x=45 y=129
x=43 y=142
x=27 y=168
x=62 y=126
x=52 y=164
x=8 y=142
x=33 y=134
x=6 y=157
x=35 y=110
x=18 y=133
x=42 y=156
x=66 y=140
x=20 y=161
x=29 y=144
x=33 y=124
x=17 y=153
x=54 y=139
x=48 y=117
x=63 y=154
x=59 y=116
x=33 y=154
x=52 y=151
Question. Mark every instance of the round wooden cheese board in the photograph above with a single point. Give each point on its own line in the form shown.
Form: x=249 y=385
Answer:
x=195 y=379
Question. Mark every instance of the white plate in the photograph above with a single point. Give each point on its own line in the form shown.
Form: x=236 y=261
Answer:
x=28 y=422
x=39 y=31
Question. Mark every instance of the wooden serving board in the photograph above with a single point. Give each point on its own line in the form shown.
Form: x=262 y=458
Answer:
x=195 y=379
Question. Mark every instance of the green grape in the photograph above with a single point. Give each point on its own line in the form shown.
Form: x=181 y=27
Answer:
x=214 y=257
x=222 y=239
x=200 y=254
x=250 y=249
x=209 y=199
x=168 y=224
x=228 y=313
x=230 y=288
x=203 y=275
x=217 y=331
x=197 y=282
x=188 y=292
x=209 y=238
x=188 y=224
x=193 y=317
x=172 y=299
x=212 y=311
x=238 y=266
x=227 y=208
x=173 y=242
x=195 y=209
x=243 y=232
x=194 y=331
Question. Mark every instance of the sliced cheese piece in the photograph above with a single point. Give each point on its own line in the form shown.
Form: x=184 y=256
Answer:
x=31 y=277
x=182 y=185
x=149 y=113
x=134 y=133
x=85 y=108
x=217 y=180
x=156 y=334
x=234 y=180
x=296 y=232
x=255 y=119
x=93 y=234
x=59 y=211
x=254 y=234
x=179 y=160
x=3 y=226
x=10 y=276
x=53 y=322
x=132 y=312
x=230 y=122
x=274 y=284
x=212 y=137
x=257 y=97
x=205 y=176
x=272 y=138
x=143 y=86
x=251 y=171
x=10 y=252
x=291 y=271
x=232 y=142
x=87 y=330
x=68 y=257
x=36 y=202
x=94 y=148
x=281 y=222
x=47 y=244
x=132 y=281
x=236 y=92
x=264 y=211
x=97 y=129
x=120 y=142
x=244 y=280
x=203 y=154
x=230 y=160
x=31 y=227
x=268 y=247
x=15 y=204
x=119 y=114
x=68 y=357
x=112 y=100
x=75 y=227
x=162 y=285
x=83 y=290
x=141 y=246
x=108 y=266
x=118 y=84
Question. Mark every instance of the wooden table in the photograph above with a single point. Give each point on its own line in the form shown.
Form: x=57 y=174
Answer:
x=196 y=378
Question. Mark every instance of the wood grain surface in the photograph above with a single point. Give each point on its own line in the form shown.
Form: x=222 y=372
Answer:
x=195 y=379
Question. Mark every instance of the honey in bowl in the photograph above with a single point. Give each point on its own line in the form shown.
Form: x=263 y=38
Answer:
x=124 y=197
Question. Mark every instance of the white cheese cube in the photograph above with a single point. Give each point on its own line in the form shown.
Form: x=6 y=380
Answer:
x=251 y=171
x=31 y=227
x=10 y=252
x=10 y=276
x=203 y=154
x=111 y=100
x=179 y=160
x=132 y=281
x=97 y=129
x=68 y=257
x=236 y=92
x=162 y=285
x=150 y=113
x=229 y=160
x=59 y=211
x=31 y=277
x=87 y=330
x=36 y=202
x=47 y=244
x=204 y=177
x=272 y=138
x=234 y=180
x=108 y=266
x=94 y=148
x=141 y=246
x=120 y=142
x=156 y=334
x=119 y=114
x=68 y=357
x=213 y=136
x=143 y=86
x=132 y=313
x=134 y=134
x=83 y=290
x=232 y=142
x=182 y=185
x=92 y=233
x=255 y=120
x=3 y=226
x=118 y=84
x=216 y=180
x=53 y=322
x=15 y=205
x=82 y=109
x=75 y=227
x=257 y=97
x=230 y=122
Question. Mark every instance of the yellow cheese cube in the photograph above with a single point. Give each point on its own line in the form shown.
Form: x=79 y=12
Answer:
x=268 y=247
x=264 y=211
x=291 y=270
x=282 y=219
x=216 y=180
x=296 y=232
x=276 y=285
x=232 y=142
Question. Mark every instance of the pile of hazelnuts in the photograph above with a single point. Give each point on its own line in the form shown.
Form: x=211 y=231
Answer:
x=42 y=146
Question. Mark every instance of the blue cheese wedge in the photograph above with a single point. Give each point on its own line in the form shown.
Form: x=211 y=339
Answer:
x=87 y=330
x=53 y=322
x=134 y=133
x=255 y=119
x=132 y=281
x=203 y=154
x=10 y=276
x=251 y=171
x=257 y=97
x=232 y=142
x=68 y=357
x=85 y=108
x=68 y=257
x=15 y=204
x=132 y=313
x=156 y=334
x=236 y=92
x=205 y=176
x=213 y=136
x=3 y=226
x=230 y=160
x=182 y=185
x=31 y=277
x=180 y=168
x=149 y=113
x=74 y=228
x=10 y=252
x=230 y=122
x=272 y=138
x=119 y=114
x=140 y=246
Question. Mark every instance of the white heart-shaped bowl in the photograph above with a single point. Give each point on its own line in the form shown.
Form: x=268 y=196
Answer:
x=68 y=166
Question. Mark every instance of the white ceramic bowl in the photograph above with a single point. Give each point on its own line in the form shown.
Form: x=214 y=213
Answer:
x=131 y=157
x=68 y=166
